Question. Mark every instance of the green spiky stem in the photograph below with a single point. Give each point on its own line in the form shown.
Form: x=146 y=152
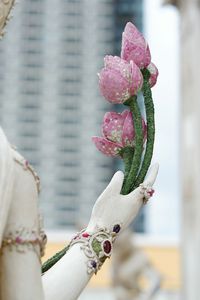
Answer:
x=138 y=149
x=127 y=156
x=54 y=259
x=149 y=107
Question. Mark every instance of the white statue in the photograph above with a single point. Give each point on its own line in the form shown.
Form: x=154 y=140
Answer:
x=129 y=266
x=5 y=8
x=22 y=239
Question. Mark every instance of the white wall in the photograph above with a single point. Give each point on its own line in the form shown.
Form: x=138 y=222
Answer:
x=161 y=27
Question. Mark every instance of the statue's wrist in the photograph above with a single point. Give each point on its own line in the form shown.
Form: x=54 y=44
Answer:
x=96 y=245
x=108 y=226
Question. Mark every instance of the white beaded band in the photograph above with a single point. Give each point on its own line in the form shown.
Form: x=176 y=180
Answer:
x=25 y=239
x=96 y=246
x=147 y=192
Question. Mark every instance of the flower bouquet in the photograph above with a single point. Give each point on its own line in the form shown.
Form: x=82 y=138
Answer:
x=127 y=134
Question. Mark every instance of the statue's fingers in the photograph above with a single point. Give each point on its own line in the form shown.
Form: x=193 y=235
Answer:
x=138 y=193
x=151 y=177
x=115 y=184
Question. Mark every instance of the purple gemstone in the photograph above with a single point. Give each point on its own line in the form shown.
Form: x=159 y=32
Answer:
x=116 y=228
x=107 y=247
x=94 y=264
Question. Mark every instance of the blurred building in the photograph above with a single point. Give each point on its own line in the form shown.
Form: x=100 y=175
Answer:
x=50 y=105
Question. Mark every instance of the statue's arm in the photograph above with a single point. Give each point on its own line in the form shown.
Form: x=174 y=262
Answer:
x=68 y=277
x=20 y=275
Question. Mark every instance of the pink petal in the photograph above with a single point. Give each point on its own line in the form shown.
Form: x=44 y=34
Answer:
x=134 y=46
x=106 y=147
x=119 y=79
x=137 y=78
x=124 y=114
x=113 y=86
x=128 y=134
x=154 y=74
x=118 y=64
x=112 y=126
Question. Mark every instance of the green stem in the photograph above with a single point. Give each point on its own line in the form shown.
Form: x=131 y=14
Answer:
x=138 y=149
x=149 y=107
x=127 y=155
x=54 y=259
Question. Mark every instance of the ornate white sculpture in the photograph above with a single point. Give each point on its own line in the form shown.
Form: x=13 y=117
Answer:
x=130 y=264
x=22 y=238
x=5 y=8
x=20 y=233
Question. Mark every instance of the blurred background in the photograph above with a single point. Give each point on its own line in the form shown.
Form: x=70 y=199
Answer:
x=51 y=107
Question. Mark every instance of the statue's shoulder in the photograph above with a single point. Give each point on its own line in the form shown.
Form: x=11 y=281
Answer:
x=16 y=155
x=5 y=8
x=23 y=162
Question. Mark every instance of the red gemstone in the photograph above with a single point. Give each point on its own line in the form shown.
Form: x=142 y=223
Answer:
x=85 y=235
x=151 y=192
x=18 y=240
x=107 y=247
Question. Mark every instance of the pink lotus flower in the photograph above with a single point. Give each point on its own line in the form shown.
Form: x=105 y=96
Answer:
x=118 y=132
x=154 y=74
x=119 y=80
x=134 y=46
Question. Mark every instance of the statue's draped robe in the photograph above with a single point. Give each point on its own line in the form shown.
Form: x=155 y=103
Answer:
x=6 y=181
x=20 y=266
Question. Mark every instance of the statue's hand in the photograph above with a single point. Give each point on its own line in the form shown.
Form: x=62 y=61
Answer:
x=112 y=208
